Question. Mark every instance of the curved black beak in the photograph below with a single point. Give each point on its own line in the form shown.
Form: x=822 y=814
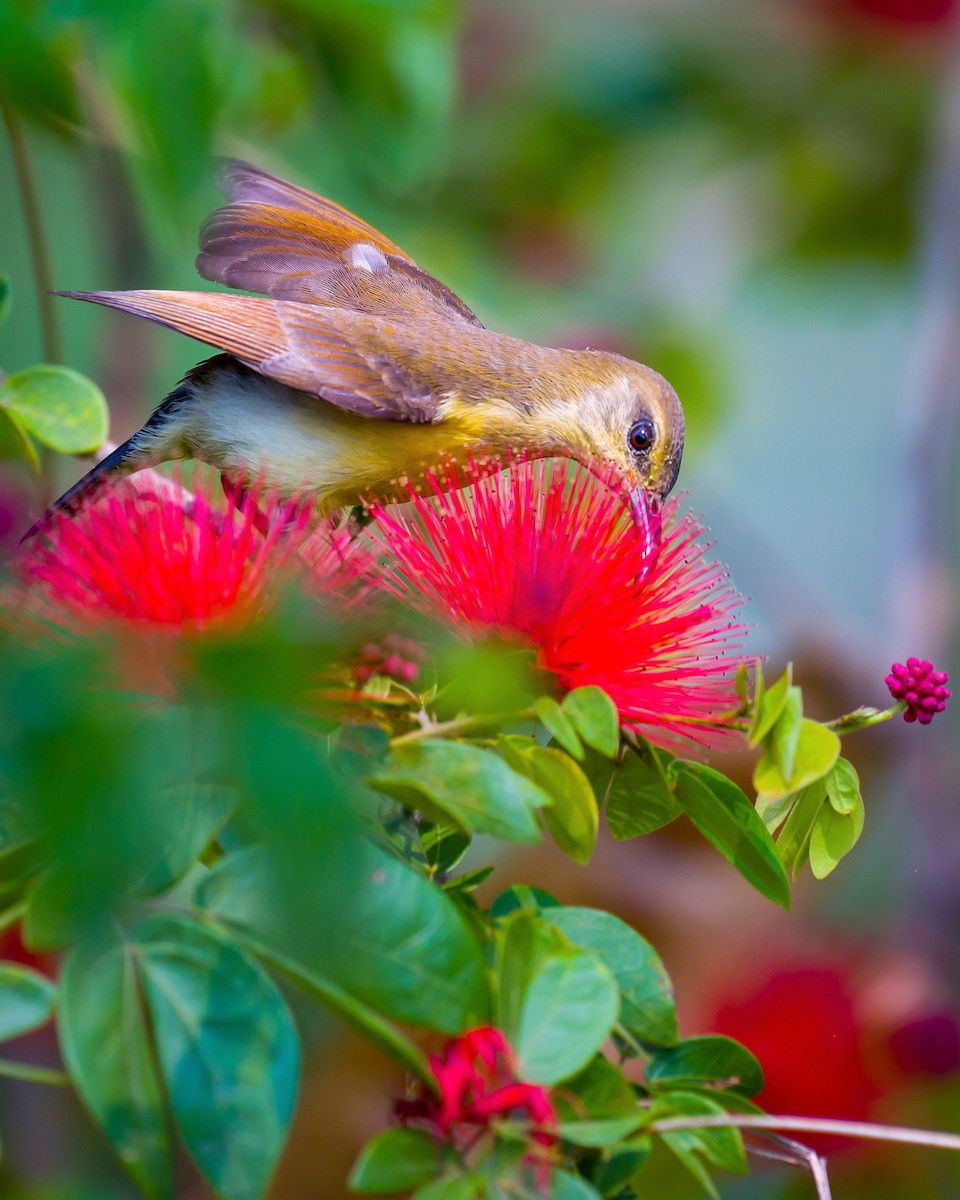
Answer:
x=646 y=508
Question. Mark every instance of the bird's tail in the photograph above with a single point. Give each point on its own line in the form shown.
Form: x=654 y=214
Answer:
x=147 y=448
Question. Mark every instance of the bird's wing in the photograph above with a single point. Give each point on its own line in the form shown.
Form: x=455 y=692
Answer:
x=340 y=357
x=281 y=240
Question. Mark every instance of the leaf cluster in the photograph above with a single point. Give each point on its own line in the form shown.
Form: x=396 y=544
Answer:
x=805 y=789
x=201 y=861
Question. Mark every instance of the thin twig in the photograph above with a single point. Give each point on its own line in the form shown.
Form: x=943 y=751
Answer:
x=12 y=915
x=461 y=724
x=848 y=1129
x=796 y=1154
x=39 y=250
x=30 y=1074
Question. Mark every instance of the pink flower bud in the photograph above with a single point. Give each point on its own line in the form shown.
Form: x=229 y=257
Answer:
x=920 y=688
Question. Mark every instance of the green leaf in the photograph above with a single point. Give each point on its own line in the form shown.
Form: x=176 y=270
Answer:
x=523 y=941
x=559 y=725
x=600 y=1092
x=647 y=1007
x=406 y=951
x=486 y=677
x=786 y=733
x=469 y=881
x=443 y=847
x=769 y=704
x=60 y=407
x=189 y=817
x=27 y=1000
x=843 y=787
x=18 y=830
x=572 y=816
x=4 y=298
x=616 y=1168
x=728 y=820
x=358 y=747
x=521 y=895
x=234 y=889
x=595 y=718
x=452 y=1187
x=717 y=1060
x=353 y=1012
x=640 y=799
x=816 y=752
x=773 y=812
x=16 y=443
x=568 y=1013
x=741 y=683
x=106 y=1048
x=38 y=69
x=512 y=746
x=565 y=1185
x=456 y=782
x=601 y=1132
x=227 y=1049
x=48 y=922
x=834 y=835
x=403 y=948
x=396 y=1161
x=793 y=844
x=721 y=1146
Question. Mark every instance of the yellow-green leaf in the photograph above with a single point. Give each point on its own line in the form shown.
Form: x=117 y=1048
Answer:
x=834 y=836
x=769 y=705
x=559 y=726
x=843 y=787
x=817 y=751
x=793 y=844
x=16 y=443
x=786 y=733
x=573 y=817
x=595 y=718
x=60 y=407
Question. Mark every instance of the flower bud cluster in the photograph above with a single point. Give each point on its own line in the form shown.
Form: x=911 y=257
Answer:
x=922 y=689
x=396 y=657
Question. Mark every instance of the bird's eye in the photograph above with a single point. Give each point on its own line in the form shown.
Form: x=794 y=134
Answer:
x=641 y=436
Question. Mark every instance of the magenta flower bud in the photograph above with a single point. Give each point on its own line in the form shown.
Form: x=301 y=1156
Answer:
x=920 y=687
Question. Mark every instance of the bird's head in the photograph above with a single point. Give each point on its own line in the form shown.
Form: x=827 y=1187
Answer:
x=632 y=424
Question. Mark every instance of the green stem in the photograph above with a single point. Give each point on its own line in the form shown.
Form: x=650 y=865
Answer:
x=462 y=724
x=31 y=1074
x=864 y=718
x=39 y=250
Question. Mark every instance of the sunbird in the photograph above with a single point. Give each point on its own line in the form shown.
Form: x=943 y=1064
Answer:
x=354 y=372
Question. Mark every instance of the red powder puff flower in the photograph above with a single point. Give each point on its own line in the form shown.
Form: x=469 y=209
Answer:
x=157 y=556
x=555 y=559
x=476 y=1082
x=922 y=690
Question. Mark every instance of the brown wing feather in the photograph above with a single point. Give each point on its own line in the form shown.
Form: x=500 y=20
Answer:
x=281 y=240
x=343 y=358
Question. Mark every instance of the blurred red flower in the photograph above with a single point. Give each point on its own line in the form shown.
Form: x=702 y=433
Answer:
x=904 y=12
x=554 y=558
x=476 y=1082
x=802 y=1024
x=161 y=556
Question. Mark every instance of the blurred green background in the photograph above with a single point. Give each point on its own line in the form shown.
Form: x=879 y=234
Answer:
x=759 y=198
